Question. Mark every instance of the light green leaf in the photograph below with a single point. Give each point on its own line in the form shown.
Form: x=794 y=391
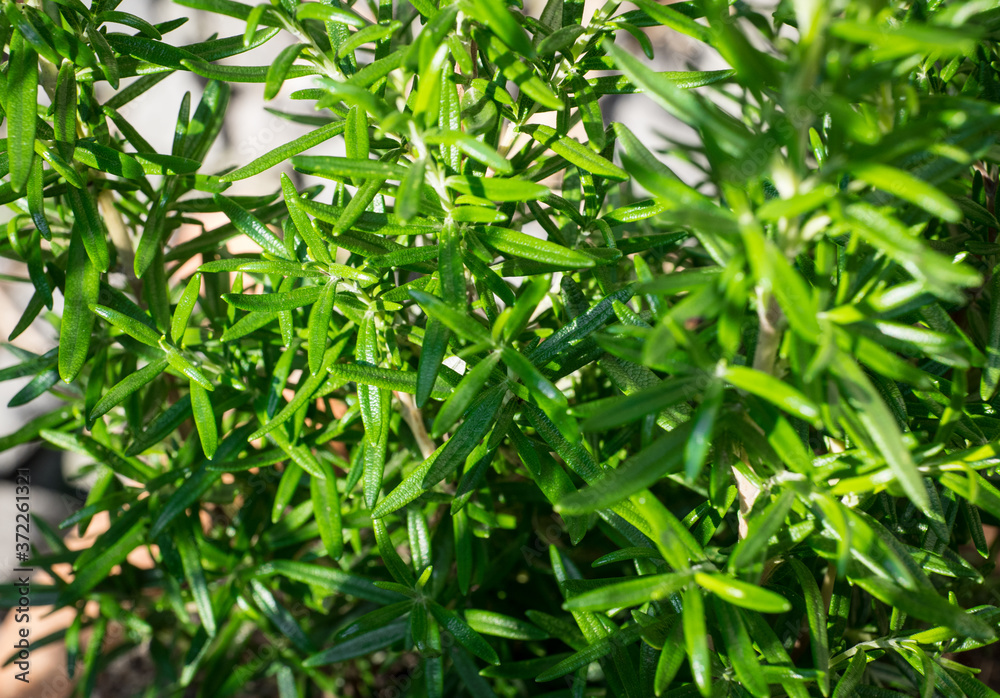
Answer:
x=319 y=326
x=773 y=390
x=499 y=625
x=182 y=313
x=20 y=107
x=185 y=540
x=816 y=615
x=907 y=187
x=250 y=225
x=458 y=322
x=328 y=13
x=496 y=189
x=330 y=579
x=527 y=247
x=466 y=636
x=497 y=17
x=275 y=302
x=474 y=148
x=339 y=168
x=278 y=71
x=580 y=155
x=326 y=509
x=740 y=593
x=204 y=419
x=128 y=385
x=283 y=152
x=631 y=592
x=135 y=329
x=81 y=293
x=696 y=639
x=469 y=387
x=739 y=648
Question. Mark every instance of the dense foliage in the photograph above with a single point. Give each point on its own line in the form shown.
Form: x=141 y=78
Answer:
x=726 y=435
